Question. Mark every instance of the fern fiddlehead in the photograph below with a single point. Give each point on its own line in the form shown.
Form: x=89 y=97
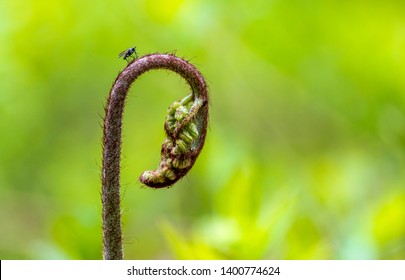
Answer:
x=185 y=127
x=182 y=145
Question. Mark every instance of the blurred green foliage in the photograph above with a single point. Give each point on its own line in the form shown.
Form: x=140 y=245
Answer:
x=304 y=156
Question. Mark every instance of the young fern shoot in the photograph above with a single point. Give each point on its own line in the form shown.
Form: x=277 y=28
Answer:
x=185 y=126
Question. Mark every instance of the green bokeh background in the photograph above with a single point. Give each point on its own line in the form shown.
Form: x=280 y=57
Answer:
x=304 y=157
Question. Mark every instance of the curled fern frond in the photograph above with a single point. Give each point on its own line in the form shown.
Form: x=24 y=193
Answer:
x=185 y=132
x=185 y=126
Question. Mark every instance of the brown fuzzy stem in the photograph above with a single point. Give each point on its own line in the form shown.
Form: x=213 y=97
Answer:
x=186 y=128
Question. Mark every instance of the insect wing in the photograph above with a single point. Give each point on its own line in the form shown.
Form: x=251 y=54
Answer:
x=123 y=53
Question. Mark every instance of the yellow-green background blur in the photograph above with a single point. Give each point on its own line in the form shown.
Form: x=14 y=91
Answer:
x=305 y=153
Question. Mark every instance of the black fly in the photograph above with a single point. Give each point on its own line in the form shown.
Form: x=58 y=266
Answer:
x=128 y=53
